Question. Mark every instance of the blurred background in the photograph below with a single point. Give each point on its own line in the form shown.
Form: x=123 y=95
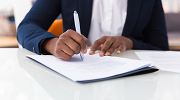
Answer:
x=172 y=15
x=13 y=11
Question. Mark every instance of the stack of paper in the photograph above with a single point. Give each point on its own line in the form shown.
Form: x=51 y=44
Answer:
x=163 y=60
x=93 y=67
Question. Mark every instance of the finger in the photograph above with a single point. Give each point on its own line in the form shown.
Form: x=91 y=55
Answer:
x=72 y=45
x=62 y=55
x=86 y=40
x=79 y=39
x=66 y=49
x=96 y=44
x=100 y=47
x=121 y=48
x=107 y=45
x=112 y=48
x=89 y=47
x=59 y=52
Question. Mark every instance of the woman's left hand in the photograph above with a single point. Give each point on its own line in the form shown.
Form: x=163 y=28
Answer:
x=107 y=45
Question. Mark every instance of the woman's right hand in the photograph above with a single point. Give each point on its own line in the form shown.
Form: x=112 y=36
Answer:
x=68 y=44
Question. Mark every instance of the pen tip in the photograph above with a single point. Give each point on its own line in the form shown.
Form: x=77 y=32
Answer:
x=75 y=11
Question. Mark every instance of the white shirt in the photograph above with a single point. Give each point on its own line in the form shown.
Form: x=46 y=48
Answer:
x=108 y=18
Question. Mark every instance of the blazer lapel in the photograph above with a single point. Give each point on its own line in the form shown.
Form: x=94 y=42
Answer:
x=133 y=10
x=85 y=12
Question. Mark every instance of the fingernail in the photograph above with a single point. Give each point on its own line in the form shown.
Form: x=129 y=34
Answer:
x=118 y=52
x=85 y=51
x=101 y=53
x=91 y=52
x=107 y=54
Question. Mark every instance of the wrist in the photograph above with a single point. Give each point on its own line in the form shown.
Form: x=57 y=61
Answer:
x=48 y=45
x=129 y=44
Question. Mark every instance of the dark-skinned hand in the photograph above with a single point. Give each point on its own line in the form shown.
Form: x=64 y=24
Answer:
x=107 y=45
x=68 y=44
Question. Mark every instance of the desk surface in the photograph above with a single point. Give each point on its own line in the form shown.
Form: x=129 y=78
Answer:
x=23 y=79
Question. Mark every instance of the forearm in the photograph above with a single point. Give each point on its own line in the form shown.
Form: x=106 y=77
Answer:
x=30 y=35
x=141 y=45
x=33 y=28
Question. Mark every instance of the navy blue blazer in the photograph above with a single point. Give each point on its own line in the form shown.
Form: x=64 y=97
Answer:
x=145 y=22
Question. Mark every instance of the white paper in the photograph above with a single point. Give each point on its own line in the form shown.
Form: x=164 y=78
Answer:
x=92 y=67
x=167 y=61
x=2 y=60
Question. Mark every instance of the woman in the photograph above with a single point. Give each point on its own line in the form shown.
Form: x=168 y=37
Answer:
x=108 y=24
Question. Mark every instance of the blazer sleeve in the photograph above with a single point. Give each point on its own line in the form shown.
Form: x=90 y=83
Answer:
x=34 y=26
x=155 y=34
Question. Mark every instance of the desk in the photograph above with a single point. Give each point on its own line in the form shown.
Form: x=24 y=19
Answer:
x=23 y=79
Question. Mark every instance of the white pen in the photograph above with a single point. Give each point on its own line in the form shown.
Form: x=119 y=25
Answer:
x=77 y=26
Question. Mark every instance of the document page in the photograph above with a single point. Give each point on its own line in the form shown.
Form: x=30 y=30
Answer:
x=2 y=60
x=163 y=60
x=92 y=67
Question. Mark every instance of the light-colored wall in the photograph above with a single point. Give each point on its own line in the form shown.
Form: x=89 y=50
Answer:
x=171 y=6
x=21 y=7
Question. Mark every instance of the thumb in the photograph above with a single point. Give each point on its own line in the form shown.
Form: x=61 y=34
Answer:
x=86 y=40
